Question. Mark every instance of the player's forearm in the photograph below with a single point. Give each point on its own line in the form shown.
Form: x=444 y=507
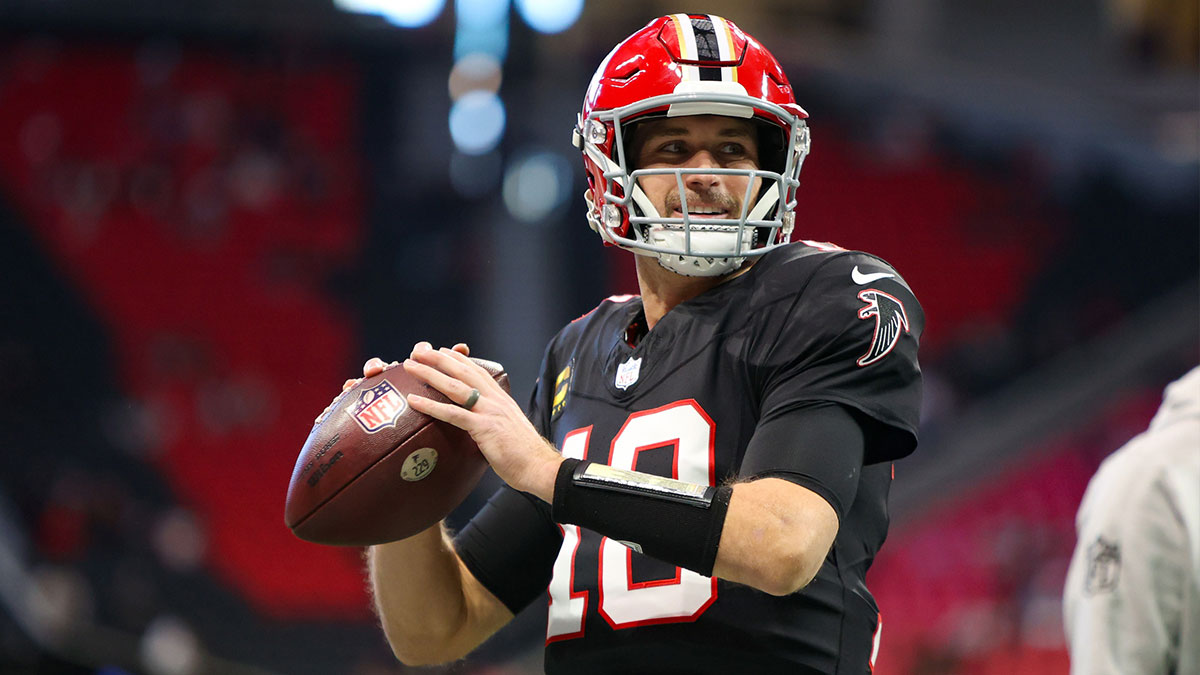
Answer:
x=776 y=536
x=769 y=534
x=420 y=598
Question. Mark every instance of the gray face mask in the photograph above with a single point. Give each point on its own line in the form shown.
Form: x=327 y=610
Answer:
x=692 y=244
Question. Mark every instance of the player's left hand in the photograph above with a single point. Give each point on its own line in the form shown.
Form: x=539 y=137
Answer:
x=514 y=448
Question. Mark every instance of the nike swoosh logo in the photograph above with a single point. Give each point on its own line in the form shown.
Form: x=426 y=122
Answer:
x=860 y=278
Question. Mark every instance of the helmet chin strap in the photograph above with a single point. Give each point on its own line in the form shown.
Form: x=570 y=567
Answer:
x=690 y=265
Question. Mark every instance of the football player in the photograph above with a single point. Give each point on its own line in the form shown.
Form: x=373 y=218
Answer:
x=701 y=480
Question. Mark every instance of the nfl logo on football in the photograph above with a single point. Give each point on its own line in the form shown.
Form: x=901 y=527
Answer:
x=627 y=373
x=378 y=407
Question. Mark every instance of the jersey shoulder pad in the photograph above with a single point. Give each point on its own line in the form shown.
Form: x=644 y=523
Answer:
x=800 y=265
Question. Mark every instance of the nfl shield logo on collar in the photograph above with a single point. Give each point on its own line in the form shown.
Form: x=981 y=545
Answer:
x=627 y=373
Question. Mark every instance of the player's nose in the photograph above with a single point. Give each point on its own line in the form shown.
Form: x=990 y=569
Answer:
x=698 y=179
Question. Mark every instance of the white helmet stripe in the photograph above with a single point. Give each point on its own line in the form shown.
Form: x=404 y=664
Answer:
x=725 y=47
x=687 y=46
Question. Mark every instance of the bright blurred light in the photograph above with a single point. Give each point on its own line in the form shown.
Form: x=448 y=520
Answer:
x=170 y=647
x=403 y=13
x=492 y=41
x=59 y=601
x=477 y=122
x=483 y=14
x=474 y=72
x=550 y=16
x=535 y=185
x=179 y=540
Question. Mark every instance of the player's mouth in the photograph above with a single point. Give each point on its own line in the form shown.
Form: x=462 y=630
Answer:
x=714 y=212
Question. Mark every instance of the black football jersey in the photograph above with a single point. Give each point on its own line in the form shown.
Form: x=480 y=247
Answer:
x=808 y=323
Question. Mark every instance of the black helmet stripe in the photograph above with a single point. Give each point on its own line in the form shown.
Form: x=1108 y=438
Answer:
x=706 y=39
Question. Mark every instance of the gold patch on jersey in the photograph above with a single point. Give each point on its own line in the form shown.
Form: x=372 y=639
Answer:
x=562 y=384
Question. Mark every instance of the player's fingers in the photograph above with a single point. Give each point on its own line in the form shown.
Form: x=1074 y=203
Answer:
x=457 y=366
x=453 y=389
x=350 y=383
x=446 y=412
x=463 y=349
x=421 y=346
x=373 y=366
x=462 y=367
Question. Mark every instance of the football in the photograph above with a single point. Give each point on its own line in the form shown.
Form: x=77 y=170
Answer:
x=374 y=470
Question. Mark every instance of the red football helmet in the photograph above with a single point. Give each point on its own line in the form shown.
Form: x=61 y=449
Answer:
x=691 y=64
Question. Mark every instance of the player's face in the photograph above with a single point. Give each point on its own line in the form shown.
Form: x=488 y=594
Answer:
x=696 y=142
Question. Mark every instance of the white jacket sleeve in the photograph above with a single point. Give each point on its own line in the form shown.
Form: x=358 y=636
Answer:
x=1131 y=602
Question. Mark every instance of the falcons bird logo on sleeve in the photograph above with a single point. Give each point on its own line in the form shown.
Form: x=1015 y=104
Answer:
x=890 y=321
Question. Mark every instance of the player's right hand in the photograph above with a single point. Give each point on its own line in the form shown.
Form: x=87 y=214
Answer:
x=375 y=365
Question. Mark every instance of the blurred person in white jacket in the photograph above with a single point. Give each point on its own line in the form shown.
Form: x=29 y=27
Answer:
x=1132 y=596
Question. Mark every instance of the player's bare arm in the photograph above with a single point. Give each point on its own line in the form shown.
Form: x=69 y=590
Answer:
x=431 y=607
x=775 y=537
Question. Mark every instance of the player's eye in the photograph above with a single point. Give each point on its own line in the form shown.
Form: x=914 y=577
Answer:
x=671 y=147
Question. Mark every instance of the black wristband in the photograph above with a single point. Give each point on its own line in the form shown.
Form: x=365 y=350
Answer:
x=676 y=522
